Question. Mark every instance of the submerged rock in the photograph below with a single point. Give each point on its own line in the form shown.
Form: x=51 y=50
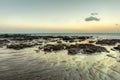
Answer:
x=73 y=51
x=117 y=48
x=73 y=38
x=59 y=42
x=4 y=42
x=85 y=49
x=108 y=41
x=111 y=55
x=51 y=47
x=19 y=46
x=91 y=41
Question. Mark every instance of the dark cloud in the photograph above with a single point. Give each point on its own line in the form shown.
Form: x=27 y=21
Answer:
x=94 y=14
x=91 y=18
x=117 y=24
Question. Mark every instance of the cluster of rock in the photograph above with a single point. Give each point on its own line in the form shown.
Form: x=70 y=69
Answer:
x=74 y=49
x=85 y=49
x=72 y=38
x=51 y=47
x=19 y=46
x=4 y=42
x=108 y=41
x=26 y=37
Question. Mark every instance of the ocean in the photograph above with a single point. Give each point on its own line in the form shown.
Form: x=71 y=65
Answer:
x=96 y=35
x=100 y=35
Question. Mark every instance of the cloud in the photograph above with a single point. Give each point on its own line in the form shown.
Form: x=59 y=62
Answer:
x=117 y=25
x=91 y=18
x=94 y=14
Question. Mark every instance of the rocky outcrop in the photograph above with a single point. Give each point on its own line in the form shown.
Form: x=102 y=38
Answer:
x=73 y=38
x=117 y=48
x=108 y=41
x=4 y=42
x=85 y=49
x=51 y=47
x=19 y=46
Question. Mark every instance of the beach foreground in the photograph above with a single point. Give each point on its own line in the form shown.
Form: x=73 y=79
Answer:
x=26 y=57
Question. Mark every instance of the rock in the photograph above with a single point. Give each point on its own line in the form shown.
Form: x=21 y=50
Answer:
x=111 y=55
x=50 y=47
x=118 y=60
x=3 y=42
x=73 y=51
x=37 y=51
x=19 y=46
x=66 y=38
x=20 y=37
x=108 y=41
x=85 y=37
x=86 y=48
x=117 y=48
x=40 y=47
x=59 y=41
x=73 y=38
x=37 y=43
x=90 y=48
x=91 y=41
x=113 y=49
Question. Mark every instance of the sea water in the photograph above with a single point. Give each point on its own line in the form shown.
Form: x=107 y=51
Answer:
x=99 y=35
x=96 y=35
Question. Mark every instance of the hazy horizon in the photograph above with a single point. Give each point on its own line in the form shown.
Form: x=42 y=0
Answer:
x=84 y=16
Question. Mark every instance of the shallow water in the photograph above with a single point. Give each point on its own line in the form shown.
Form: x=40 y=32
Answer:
x=26 y=64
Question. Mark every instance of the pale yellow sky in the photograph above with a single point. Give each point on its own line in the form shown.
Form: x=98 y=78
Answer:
x=68 y=26
x=59 y=15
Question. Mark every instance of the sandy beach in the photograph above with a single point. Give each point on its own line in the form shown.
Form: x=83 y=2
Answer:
x=40 y=58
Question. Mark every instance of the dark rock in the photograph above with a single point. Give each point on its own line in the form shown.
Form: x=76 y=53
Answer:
x=50 y=47
x=3 y=42
x=72 y=38
x=37 y=43
x=59 y=42
x=84 y=37
x=90 y=48
x=109 y=55
x=66 y=38
x=19 y=37
x=117 y=48
x=91 y=41
x=37 y=51
x=108 y=41
x=86 y=48
x=19 y=46
x=113 y=49
x=40 y=47
x=73 y=51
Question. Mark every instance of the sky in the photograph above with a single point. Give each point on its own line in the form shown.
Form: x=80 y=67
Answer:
x=59 y=15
